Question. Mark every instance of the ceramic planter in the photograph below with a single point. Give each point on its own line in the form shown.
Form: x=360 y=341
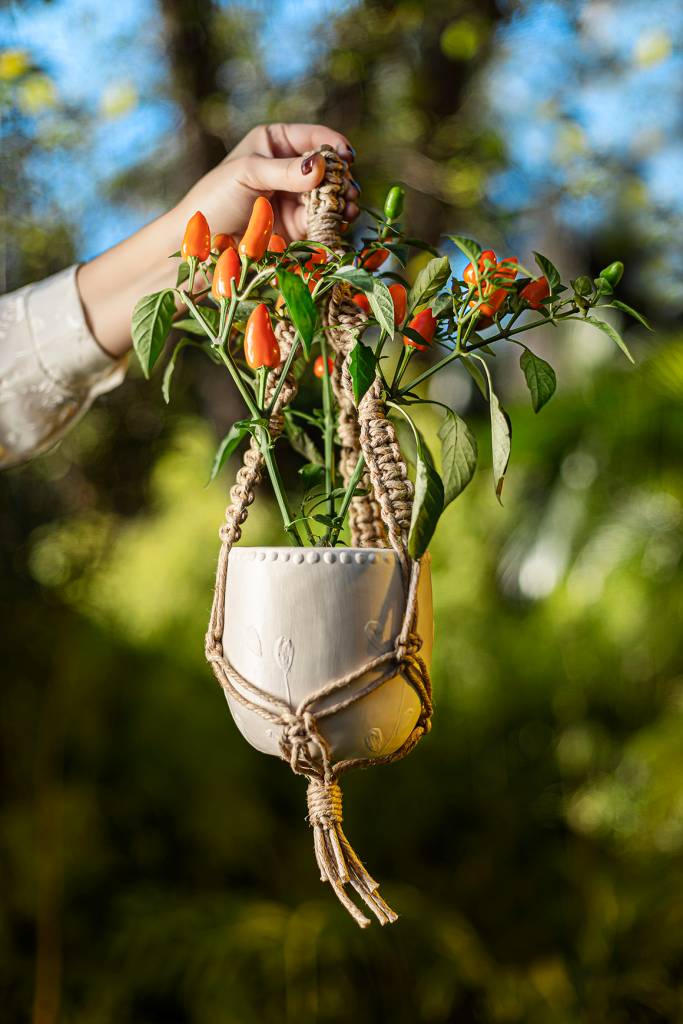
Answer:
x=297 y=618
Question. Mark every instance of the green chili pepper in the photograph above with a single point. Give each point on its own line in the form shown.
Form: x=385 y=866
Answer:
x=393 y=204
x=613 y=273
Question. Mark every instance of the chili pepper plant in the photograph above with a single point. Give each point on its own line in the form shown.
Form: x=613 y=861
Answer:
x=231 y=295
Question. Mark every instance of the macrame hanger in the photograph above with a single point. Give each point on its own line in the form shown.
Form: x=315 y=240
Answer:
x=381 y=514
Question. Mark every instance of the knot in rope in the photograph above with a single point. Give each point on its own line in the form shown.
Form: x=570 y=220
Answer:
x=298 y=731
x=408 y=647
x=324 y=804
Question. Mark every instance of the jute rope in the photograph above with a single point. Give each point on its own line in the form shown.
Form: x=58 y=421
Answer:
x=384 y=512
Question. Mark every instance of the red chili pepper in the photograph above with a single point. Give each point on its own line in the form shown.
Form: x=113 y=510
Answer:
x=361 y=300
x=228 y=266
x=319 y=366
x=260 y=344
x=536 y=290
x=372 y=259
x=222 y=242
x=197 y=238
x=259 y=229
x=489 y=308
x=315 y=259
x=277 y=244
x=425 y=324
x=506 y=270
x=486 y=260
x=399 y=296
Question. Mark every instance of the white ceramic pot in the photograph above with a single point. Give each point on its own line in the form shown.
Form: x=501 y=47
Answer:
x=297 y=618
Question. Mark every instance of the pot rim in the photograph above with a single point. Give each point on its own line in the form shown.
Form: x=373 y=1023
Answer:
x=292 y=549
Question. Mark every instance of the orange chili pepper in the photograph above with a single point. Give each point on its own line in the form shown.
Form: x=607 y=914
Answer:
x=319 y=366
x=197 y=238
x=228 y=268
x=425 y=324
x=362 y=301
x=277 y=244
x=535 y=291
x=259 y=229
x=222 y=242
x=493 y=303
x=260 y=344
x=486 y=259
x=372 y=259
x=399 y=296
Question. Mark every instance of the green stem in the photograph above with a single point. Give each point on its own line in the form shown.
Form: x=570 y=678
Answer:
x=482 y=344
x=283 y=376
x=263 y=438
x=348 y=497
x=328 y=432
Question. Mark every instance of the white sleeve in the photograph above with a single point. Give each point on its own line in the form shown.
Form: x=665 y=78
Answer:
x=51 y=367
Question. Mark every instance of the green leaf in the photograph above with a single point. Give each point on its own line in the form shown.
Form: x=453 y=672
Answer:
x=501 y=434
x=549 y=271
x=382 y=305
x=301 y=442
x=468 y=246
x=442 y=305
x=227 y=446
x=429 y=281
x=300 y=306
x=152 y=322
x=311 y=474
x=458 y=455
x=632 y=312
x=356 y=277
x=607 y=329
x=183 y=273
x=476 y=375
x=209 y=315
x=428 y=501
x=170 y=367
x=362 y=367
x=540 y=378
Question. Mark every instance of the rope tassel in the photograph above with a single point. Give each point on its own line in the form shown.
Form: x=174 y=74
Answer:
x=338 y=862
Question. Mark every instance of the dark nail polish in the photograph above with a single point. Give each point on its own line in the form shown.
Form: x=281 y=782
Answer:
x=348 y=152
x=308 y=163
x=354 y=184
x=344 y=227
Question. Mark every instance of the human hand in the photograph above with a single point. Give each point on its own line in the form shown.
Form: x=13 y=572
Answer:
x=268 y=161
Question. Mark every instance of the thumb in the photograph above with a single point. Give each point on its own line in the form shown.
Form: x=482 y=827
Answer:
x=300 y=174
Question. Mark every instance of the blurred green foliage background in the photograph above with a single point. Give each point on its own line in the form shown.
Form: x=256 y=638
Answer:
x=155 y=868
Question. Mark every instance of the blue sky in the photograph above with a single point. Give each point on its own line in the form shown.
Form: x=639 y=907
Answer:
x=604 y=77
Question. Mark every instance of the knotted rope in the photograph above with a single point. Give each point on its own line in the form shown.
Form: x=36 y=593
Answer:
x=384 y=512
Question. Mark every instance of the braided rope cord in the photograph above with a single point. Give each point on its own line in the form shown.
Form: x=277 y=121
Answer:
x=384 y=512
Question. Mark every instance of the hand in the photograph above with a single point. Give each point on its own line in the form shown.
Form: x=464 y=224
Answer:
x=268 y=161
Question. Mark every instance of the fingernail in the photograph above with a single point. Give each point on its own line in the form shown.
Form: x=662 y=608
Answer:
x=344 y=227
x=308 y=163
x=348 y=152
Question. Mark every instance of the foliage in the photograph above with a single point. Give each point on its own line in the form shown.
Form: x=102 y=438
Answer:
x=469 y=316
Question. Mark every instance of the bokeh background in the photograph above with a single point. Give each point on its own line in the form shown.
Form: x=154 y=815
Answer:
x=156 y=869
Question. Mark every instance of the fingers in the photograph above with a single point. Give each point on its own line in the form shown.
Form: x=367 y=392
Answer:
x=287 y=140
x=295 y=174
x=293 y=218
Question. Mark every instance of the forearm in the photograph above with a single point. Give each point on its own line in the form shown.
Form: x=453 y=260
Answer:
x=111 y=284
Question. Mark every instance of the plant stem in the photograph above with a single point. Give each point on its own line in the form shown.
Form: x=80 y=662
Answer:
x=263 y=438
x=328 y=432
x=457 y=354
x=348 y=497
x=283 y=374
